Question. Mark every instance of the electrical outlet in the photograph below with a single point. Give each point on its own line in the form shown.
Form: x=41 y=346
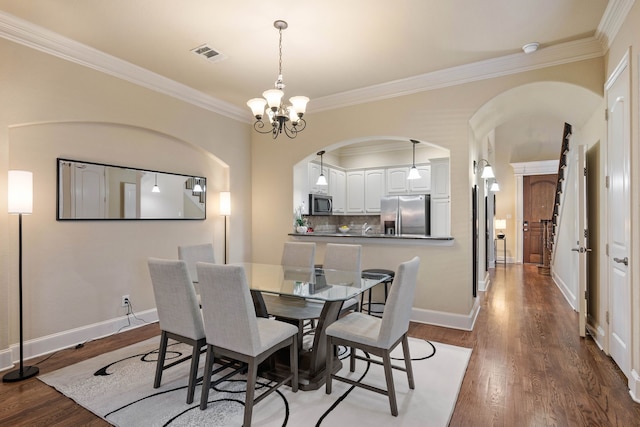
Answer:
x=125 y=301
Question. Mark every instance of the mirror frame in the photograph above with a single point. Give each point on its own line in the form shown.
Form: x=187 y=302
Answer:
x=62 y=161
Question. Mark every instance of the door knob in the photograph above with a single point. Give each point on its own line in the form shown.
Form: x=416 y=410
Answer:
x=624 y=260
x=581 y=249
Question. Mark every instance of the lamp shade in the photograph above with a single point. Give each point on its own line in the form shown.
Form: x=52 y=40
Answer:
x=20 y=192
x=225 y=203
x=501 y=224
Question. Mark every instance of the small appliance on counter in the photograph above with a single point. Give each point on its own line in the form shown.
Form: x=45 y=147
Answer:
x=406 y=214
x=320 y=204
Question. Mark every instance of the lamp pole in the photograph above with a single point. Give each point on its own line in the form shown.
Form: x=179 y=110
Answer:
x=20 y=201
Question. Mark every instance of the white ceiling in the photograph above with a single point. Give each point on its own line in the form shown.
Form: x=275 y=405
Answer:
x=330 y=48
x=336 y=52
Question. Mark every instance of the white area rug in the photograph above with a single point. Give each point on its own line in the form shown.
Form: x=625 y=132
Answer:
x=118 y=387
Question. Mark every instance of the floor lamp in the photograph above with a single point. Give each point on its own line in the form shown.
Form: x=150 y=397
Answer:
x=20 y=202
x=225 y=210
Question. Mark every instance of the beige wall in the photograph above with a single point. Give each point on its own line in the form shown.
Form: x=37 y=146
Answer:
x=439 y=117
x=77 y=271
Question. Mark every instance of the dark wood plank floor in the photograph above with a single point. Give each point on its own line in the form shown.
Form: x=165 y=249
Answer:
x=528 y=367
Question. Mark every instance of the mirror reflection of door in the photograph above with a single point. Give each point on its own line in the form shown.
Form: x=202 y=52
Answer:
x=538 y=197
x=89 y=184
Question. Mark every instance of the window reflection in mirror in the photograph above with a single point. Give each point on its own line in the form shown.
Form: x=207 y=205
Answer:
x=90 y=191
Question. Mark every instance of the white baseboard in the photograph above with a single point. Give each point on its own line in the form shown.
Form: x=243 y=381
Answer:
x=634 y=386
x=596 y=332
x=568 y=295
x=483 y=285
x=447 y=320
x=61 y=340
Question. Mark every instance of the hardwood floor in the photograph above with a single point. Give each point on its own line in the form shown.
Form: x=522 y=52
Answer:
x=529 y=367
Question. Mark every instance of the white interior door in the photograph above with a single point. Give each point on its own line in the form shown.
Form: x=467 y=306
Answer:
x=618 y=229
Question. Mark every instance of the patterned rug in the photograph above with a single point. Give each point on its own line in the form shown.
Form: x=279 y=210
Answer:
x=118 y=387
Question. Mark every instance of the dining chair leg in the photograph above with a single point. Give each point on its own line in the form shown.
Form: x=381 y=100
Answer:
x=391 y=391
x=352 y=359
x=293 y=357
x=162 y=352
x=193 y=372
x=407 y=361
x=206 y=380
x=252 y=376
x=328 y=366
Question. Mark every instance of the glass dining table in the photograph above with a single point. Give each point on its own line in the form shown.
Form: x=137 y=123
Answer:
x=330 y=287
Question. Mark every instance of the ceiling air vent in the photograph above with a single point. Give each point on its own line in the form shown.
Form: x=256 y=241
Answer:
x=208 y=53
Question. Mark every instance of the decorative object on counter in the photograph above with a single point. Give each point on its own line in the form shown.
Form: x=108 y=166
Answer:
x=225 y=211
x=487 y=171
x=20 y=201
x=344 y=229
x=413 y=172
x=322 y=180
x=299 y=221
x=501 y=225
x=279 y=113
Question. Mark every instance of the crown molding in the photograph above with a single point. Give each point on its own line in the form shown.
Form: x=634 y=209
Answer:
x=28 y=34
x=564 y=53
x=611 y=21
x=39 y=38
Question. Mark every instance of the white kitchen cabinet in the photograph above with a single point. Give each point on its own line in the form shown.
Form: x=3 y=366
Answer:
x=374 y=180
x=337 y=190
x=440 y=178
x=421 y=185
x=313 y=174
x=355 y=191
x=440 y=217
x=397 y=182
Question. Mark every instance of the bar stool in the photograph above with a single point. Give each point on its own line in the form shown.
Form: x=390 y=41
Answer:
x=387 y=283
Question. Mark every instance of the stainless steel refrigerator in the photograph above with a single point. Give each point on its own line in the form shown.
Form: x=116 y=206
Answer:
x=406 y=214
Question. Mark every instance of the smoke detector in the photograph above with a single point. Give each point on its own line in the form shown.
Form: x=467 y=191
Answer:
x=530 y=47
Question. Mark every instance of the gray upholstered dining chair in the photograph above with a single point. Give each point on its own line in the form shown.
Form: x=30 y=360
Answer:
x=344 y=257
x=179 y=315
x=290 y=309
x=378 y=336
x=193 y=254
x=234 y=331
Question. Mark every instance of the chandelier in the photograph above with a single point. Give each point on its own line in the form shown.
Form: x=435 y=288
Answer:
x=284 y=118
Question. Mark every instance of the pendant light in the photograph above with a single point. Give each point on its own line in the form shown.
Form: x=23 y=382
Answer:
x=283 y=118
x=322 y=180
x=413 y=172
x=155 y=188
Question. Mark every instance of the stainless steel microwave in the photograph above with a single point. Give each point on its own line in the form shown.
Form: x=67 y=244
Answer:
x=320 y=204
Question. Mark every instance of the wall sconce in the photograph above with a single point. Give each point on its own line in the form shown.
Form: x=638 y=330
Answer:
x=494 y=187
x=225 y=210
x=413 y=172
x=501 y=225
x=322 y=180
x=487 y=171
x=20 y=198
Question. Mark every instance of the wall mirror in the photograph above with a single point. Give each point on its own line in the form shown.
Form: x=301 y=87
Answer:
x=92 y=191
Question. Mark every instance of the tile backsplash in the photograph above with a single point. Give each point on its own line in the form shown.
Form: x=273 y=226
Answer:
x=330 y=223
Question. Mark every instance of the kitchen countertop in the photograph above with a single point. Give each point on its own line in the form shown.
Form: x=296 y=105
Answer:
x=378 y=238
